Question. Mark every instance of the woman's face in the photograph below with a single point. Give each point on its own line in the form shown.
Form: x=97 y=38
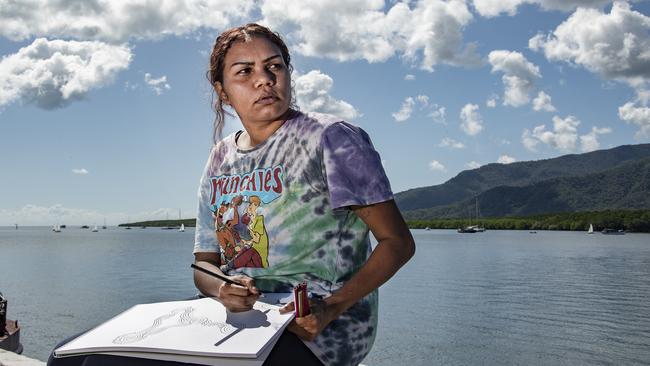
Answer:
x=256 y=81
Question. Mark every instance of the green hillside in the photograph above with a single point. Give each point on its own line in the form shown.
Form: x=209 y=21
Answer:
x=617 y=178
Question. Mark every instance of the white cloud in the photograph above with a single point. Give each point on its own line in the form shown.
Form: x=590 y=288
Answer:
x=423 y=99
x=615 y=45
x=492 y=8
x=589 y=142
x=409 y=77
x=543 y=103
x=51 y=74
x=638 y=115
x=157 y=85
x=425 y=32
x=42 y=215
x=564 y=136
x=405 y=111
x=492 y=101
x=451 y=143
x=117 y=21
x=438 y=114
x=435 y=165
x=81 y=171
x=473 y=165
x=529 y=141
x=519 y=75
x=472 y=122
x=312 y=94
x=506 y=159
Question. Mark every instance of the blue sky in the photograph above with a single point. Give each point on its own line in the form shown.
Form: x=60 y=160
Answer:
x=105 y=110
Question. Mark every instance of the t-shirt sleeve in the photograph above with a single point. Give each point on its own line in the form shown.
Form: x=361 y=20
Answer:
x=205 y=239
x=352 y=167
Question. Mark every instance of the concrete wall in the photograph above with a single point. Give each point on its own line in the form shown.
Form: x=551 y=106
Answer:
x=11 y=359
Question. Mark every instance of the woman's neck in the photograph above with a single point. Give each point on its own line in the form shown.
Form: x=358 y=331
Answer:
x=255 y=134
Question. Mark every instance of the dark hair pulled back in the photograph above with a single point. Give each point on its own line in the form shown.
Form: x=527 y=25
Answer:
x=221 y=46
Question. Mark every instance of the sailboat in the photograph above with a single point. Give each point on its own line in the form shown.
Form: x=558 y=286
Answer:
x=591 y=229
x=95 y=229
x=182 y=229
x=471 y=229
x=104 y=226
x=56 y=228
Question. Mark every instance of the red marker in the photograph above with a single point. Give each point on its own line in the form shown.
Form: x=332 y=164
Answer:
x=301 y=300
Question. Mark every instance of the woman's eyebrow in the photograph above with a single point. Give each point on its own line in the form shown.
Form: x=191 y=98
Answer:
x=250 y=63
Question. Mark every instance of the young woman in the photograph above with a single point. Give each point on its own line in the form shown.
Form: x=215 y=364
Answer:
x=310 y=187
x=290 y=198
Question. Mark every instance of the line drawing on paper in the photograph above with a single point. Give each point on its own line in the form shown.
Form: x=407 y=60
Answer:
x=183 y=320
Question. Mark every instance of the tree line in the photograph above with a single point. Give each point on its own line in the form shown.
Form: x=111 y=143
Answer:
x=628 y=220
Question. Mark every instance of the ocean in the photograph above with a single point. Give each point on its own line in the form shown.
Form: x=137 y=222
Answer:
x=493 y=298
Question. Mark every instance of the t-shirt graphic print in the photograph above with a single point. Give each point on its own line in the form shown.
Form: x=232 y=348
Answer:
x=239 y=225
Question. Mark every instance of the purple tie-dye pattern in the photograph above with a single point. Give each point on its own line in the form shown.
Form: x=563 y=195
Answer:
x=328 y=165
x=353 y=168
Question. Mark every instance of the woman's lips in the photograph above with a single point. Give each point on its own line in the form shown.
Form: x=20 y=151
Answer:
x=266 y=100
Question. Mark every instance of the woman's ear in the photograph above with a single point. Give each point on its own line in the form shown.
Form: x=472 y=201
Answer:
x=221 y=93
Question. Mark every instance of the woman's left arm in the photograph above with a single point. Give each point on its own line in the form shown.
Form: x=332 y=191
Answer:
x=395 y=246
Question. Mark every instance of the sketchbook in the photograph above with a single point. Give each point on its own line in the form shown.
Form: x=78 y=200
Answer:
x=198 y=331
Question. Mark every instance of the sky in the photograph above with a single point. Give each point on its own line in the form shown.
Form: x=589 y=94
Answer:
x=105 y=111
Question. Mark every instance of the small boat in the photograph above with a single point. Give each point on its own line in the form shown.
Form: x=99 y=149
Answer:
x=85 y=227
x=591 y=229
x=472 y=229
x=127 y=228
x=9 y=330
x=182 y=229
x=532 y=232
x=468 y=230
x=104 y=226
x=95 y=229
x=608 y=231
x=56 y=228
x=427 y=228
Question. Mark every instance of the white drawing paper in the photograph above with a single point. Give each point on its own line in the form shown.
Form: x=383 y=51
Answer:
x=200 y=327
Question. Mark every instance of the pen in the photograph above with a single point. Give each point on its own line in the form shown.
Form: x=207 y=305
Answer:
x=220 y=276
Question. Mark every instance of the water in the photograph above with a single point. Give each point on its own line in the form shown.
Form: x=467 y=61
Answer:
x=496 y=298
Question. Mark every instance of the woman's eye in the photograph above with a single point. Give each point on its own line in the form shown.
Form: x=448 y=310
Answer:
x=275 y=66
x=244 y=71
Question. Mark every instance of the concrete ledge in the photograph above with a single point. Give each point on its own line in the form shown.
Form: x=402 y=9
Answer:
x=11 y=359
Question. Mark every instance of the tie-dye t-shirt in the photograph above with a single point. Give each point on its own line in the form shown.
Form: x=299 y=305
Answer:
x=279 y=213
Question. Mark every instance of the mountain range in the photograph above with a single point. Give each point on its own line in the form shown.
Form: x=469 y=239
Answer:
x=617 y=178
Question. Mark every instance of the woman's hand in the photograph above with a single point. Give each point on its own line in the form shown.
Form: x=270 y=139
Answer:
x=309 y=327
x=238 y=298
x=234 y=297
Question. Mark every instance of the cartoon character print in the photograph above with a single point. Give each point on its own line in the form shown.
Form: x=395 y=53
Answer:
x=244 y=242
x=226 y=219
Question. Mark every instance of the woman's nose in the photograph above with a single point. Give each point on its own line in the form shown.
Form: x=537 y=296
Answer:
x=266 y=77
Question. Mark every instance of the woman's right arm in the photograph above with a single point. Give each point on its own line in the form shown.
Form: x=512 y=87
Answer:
x=234 y=297
x=206 y=254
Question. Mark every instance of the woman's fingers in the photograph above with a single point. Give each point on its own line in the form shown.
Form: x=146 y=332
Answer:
x=287 y=308
x=306 y=328
x=237 y=298
x=235 y=290
x=248 y=282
